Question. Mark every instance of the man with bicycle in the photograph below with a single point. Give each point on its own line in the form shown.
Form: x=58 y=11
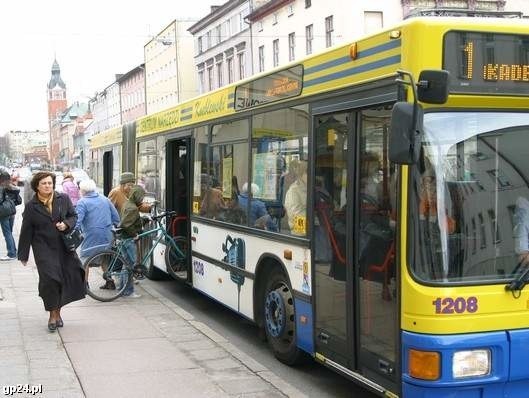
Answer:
x=131 y=224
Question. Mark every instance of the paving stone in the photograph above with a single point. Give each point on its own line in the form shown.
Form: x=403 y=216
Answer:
x=200 y=344
x=224 y=363
x=244 y=386
x=66 y=382
x=52 y=372
x=262 y=394
x=74 y=393
x=210 y=354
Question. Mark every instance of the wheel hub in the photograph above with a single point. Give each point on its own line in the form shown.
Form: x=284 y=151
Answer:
x=275 y=313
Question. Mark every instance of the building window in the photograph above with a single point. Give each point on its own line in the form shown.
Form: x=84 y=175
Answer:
x=210 y=78
x=328 y=31
x=208 y=39
x=259 y=26
x=274 y=18
x=200 y=45
x=201 y=81
x=291 y=46
x=241 y=22
x=220 y=79
x=275 y=49
x=240 y=61
x=309 y=37
x=372 y=21
x=290 y=10
x=261 y=59
x=229 y=61
x=228 y=28
x=308 y=3
x=218 y=34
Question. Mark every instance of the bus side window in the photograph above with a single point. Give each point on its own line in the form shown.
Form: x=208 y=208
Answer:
x=296 y=198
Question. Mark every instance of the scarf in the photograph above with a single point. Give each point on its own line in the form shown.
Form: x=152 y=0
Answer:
x=46 y=201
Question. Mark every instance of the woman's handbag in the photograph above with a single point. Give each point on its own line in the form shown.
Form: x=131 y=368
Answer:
x=72 y=239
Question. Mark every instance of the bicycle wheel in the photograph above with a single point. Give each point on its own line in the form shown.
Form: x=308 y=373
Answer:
x=107 y=275
x=176 y=254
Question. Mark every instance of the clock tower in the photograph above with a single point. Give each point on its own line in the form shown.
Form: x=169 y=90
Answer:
x=56 y=105
x=56 y=93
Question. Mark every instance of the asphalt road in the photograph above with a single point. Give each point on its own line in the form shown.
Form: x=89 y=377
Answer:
x=312 y=379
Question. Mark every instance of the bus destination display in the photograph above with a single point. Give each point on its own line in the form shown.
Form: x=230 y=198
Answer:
x=287 y=83
x=487 y=63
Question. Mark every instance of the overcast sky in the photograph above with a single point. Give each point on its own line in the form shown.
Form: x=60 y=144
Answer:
x=92 y=42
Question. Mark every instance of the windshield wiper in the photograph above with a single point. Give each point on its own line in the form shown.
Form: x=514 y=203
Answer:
x=518 y=283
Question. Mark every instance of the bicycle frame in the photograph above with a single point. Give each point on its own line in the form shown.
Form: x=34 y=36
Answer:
x=162 y=234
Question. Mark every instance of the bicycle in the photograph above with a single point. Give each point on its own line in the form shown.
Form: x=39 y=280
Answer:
x=112 y=268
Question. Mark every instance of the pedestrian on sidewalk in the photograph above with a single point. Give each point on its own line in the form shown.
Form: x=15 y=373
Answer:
x=45 y=218
x=9 y=192
x=95 y=217
x=119 y=195
x=132 y=226
x=70 y=188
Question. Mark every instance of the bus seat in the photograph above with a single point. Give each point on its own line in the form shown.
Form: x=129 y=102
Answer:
x=383 y=268
x=178 y=224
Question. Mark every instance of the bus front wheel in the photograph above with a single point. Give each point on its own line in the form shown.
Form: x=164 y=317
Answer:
x=279 y=319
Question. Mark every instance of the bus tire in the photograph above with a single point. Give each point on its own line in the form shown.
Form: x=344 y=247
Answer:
x=279 y=318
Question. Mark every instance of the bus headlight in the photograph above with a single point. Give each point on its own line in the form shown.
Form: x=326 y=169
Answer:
x=471 y=363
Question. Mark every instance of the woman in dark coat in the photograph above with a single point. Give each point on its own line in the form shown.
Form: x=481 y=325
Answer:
x=45 y=217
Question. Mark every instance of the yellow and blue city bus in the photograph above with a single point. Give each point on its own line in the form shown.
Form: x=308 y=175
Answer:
x=364 y=206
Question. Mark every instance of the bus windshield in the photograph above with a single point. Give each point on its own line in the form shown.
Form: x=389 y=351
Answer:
x=470 y=198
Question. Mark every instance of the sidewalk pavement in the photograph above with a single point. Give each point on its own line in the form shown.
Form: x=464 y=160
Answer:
x=144 y=347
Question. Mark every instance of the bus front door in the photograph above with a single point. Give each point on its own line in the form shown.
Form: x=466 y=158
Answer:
x=353 y=245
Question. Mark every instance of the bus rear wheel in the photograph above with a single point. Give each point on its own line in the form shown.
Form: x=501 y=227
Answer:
x=279 y=319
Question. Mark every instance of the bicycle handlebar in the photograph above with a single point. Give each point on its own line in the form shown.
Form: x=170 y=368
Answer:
x=164 y=214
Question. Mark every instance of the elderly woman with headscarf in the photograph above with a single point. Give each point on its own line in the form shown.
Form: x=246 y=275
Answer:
x=95 y=217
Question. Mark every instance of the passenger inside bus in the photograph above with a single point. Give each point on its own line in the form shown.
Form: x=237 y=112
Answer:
x=296 y=198
x=377 y=234
x=212 y=203
x=259 y=216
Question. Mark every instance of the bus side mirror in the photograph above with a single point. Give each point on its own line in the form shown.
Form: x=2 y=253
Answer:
x=405 y=134
x=432 y=87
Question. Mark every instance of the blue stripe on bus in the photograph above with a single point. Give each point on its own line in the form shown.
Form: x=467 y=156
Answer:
x=185 y=110
x=352 y=71
x=186 y=117
x=361 y=54
x=491 y=385
x=304 y=329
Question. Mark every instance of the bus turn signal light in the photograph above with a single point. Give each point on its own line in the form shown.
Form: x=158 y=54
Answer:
x=425 y=365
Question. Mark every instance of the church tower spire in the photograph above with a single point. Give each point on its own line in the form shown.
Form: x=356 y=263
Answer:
x=56 y=92
x=56 y=105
